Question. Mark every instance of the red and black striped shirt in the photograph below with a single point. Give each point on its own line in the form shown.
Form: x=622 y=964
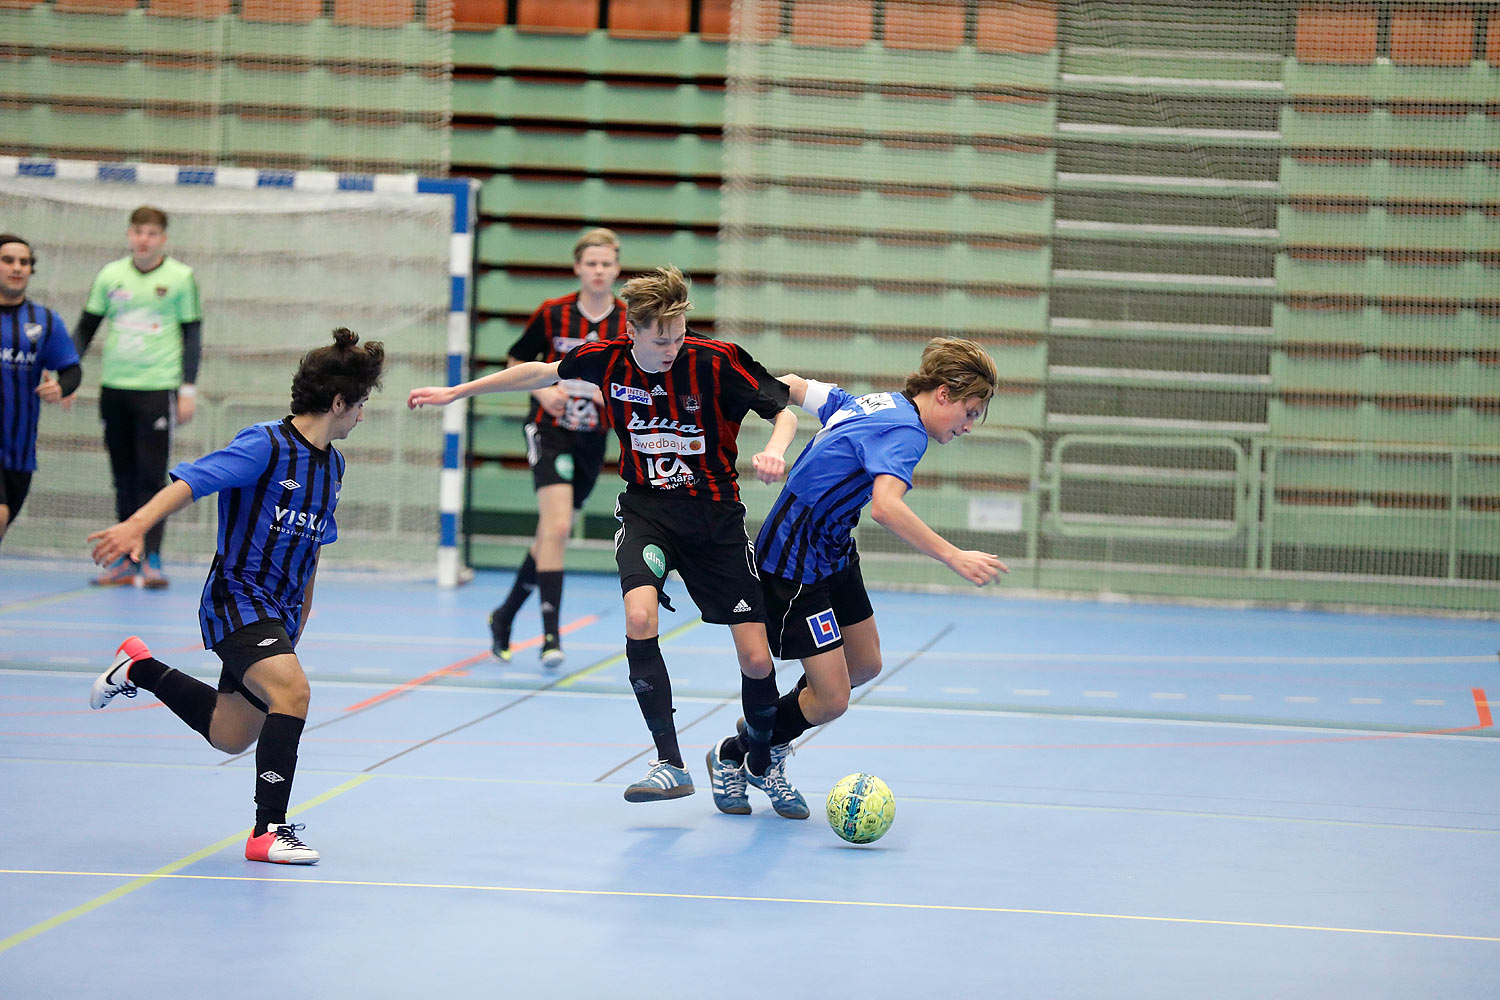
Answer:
x=678 y=428
x=554 y=329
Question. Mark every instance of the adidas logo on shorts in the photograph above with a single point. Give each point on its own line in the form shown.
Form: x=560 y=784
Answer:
x=741 y=607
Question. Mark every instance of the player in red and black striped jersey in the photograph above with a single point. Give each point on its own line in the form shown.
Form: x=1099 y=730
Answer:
x=564 y=433
x=676 y=401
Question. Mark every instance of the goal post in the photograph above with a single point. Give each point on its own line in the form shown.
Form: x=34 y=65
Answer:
x=281 y=257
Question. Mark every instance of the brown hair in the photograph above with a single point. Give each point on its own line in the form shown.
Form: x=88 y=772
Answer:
x=148 y=215
x=345 y=369
x=660 y=295
x=596 y=238
x=961 y=365
x=11 y=238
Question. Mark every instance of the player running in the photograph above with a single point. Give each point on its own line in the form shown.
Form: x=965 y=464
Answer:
x=278 y=484
x=564 y=434
x=676 y=401
x=816 y=606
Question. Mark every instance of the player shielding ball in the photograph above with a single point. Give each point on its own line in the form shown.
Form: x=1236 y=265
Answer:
x=278 y=484
x=676 y=401
x=816 y=605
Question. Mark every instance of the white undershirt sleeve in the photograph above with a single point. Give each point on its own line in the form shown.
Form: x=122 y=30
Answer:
x=815 y=396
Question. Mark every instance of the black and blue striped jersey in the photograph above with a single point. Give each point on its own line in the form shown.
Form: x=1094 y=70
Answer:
x=33 y=339
x=808 y=536
x=277 y=495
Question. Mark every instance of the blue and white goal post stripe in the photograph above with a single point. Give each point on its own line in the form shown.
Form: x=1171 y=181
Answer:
x=463 y=194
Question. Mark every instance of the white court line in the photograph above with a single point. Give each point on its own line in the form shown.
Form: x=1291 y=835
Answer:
x=1300 y=699
x=1168 y=695
x=1101 y=694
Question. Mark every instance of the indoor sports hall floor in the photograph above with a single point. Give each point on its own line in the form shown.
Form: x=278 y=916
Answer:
x=1093 y=801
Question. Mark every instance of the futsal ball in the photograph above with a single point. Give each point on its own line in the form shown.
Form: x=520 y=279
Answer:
x=861 y=808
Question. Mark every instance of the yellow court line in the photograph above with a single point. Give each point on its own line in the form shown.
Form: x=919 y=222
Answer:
x=167 y=871
x=572 y=679
x=936 y=907
x=40 y=602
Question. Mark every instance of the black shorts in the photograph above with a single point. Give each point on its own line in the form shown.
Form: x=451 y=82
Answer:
x=561 y=456
x=703 y=540
x=243 y=649
x=804 y=619
x=14 y=485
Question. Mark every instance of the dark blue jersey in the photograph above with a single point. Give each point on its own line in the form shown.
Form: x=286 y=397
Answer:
x=33 y=338
x=808 y=536
x=277 y=494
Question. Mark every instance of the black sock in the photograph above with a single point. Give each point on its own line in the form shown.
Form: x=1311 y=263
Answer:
x=758 y=698
x=190 y=699
x=790 y=722
x=519 y=591
x=653 y=692
x=275 y=766
x=549 y=586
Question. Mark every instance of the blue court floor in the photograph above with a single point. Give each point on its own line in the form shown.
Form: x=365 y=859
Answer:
x=1094 y=800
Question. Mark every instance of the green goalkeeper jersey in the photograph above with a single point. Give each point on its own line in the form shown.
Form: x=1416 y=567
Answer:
x=143 y=348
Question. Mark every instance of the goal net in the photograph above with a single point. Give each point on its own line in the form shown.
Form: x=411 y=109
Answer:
x=278 y=269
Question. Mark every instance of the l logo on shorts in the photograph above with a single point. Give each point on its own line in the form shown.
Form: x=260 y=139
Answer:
x=266 y=642
x=655 y=559
x=824 y=627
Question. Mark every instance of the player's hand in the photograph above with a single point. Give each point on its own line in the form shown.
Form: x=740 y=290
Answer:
x=552 y=398
x=431 y=395
x=48 y=391
x=120 y=540
x=979 y=568
x=187 y=405
x=768 y=466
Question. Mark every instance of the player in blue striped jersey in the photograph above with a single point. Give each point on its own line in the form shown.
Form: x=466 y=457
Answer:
x=33 y=341
x=816 y=606
x=278 y=484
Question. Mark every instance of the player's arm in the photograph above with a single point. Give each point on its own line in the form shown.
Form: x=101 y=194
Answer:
x=192 y=357
x=552 y=398
x=808 y=393
x=302 y=619
x=54 y=390
x=770 y=464
x=129 y=536
x=519 y=378
x=888 y=508
x=84 y=330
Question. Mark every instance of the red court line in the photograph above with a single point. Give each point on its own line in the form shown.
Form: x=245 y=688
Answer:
x=1482 y=706
x=399 y=689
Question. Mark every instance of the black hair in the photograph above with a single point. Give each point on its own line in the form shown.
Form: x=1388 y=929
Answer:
x=12 y=238
x=345 y=369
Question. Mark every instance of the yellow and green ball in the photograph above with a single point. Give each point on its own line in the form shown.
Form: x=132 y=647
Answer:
x=861 y=808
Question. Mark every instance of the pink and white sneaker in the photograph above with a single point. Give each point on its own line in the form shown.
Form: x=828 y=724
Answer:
x=116 y=680
x=280 y=846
